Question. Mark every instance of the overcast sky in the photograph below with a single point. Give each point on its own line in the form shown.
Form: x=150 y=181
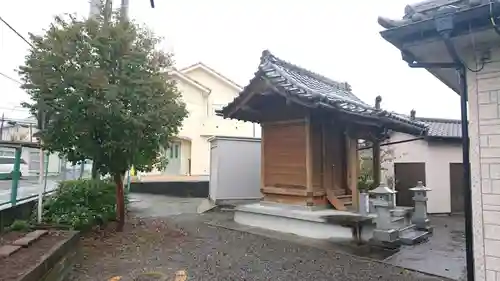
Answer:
x=338 y=39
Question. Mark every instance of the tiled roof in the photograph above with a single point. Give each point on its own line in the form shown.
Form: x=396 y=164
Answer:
x=320 y=92
x=429 y=9
x=442 y=128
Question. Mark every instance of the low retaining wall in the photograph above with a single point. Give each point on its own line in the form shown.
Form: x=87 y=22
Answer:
x=198 y=189
x=21 y=211
x=57 y=263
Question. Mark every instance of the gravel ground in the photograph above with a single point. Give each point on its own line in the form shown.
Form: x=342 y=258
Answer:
x=185 y=242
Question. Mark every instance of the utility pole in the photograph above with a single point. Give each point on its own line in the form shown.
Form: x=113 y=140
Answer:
x=124 y=10
x=1 y=126
x=95 y=8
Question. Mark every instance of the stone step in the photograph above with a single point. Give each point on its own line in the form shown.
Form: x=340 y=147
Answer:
x=412 y=236
x=398 y=222
x=29 y=238
x=8 y=250
x=406 y=228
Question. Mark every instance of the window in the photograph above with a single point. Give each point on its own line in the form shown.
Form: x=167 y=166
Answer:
x=10 y=160
x=34 y=160
x=7 y=153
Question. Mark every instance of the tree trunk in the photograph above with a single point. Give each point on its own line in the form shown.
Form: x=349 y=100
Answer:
x=120 y=202
x=95 y=170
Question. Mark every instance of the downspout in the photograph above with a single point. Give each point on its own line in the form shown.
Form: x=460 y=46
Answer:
x=444 y=26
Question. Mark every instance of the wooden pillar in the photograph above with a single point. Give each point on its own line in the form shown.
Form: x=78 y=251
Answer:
x=309 y=162
x=262 y=157
x=324 y=160
x=352 y=168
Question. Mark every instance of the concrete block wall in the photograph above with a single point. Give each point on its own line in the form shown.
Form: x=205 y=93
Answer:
x=484 y=126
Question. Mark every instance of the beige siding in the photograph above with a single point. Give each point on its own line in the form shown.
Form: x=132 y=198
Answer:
x=484 y=125
x=437 y=159
x=202 y=123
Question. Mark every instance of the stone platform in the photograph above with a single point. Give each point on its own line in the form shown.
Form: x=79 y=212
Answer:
x=306 y=222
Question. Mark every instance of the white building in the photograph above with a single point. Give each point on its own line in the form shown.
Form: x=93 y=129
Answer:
x=464 y=35
x=23 y=130
x=436 y=160
x=204 y=91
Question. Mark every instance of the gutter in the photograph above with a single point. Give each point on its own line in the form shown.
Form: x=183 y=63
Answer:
x=444 y=26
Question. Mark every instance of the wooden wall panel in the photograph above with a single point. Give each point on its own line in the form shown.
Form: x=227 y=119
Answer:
x=335 y=167
x=284 y=154
x=317 y=156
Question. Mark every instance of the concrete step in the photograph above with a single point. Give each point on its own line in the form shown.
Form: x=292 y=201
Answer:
x=398 y=222
x=411 y=236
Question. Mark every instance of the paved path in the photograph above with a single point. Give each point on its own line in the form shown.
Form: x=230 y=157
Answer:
x=148 y=205
x=443 y=254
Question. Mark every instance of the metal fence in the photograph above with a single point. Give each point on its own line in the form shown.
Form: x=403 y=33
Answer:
x=30 y=183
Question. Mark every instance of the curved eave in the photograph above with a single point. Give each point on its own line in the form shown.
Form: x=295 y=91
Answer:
x=474 y=19
x=464 y=20
x=303 y=96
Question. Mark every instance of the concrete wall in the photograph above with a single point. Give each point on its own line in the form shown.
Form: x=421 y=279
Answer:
x=235 y=164
x=437 y=158
x=484 y=126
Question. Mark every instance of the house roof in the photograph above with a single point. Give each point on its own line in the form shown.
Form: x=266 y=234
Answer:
x=210 y=70
x=192 y=82
x=442 y=128
x=318 y=91
x=416 y=33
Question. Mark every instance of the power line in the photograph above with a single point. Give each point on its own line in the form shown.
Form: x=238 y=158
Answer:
x=16 y=32
x=10 y=78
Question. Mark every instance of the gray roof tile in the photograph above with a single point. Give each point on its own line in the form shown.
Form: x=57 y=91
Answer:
x=428 y=9
x=442 y=128
x=322 y=92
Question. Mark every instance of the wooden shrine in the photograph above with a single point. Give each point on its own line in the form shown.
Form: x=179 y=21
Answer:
x=310 y=131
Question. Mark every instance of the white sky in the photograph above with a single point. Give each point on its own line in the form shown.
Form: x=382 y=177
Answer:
x=337 y=38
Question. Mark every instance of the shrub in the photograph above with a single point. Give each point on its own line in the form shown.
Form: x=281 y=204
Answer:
x=81 y=204
x=20 y=225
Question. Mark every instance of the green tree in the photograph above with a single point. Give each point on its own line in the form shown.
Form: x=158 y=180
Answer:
x=100 y=91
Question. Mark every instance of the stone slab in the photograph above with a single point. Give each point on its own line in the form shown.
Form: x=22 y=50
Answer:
x=37 y=233
x=8 y=250
x=29 y=238
x=321 y=224
x=283 y=210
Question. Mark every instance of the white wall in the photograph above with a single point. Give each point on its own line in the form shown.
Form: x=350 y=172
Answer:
x=437 y=158
x=235 y=164
x=202 y=123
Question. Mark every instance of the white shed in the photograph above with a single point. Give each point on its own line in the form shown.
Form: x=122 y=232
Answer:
x=234 y=168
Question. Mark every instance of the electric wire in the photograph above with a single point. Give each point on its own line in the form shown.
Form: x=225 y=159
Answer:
x=16 y=32
x=10 y=78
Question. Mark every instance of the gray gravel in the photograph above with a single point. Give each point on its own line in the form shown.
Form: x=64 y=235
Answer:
x=211 y=253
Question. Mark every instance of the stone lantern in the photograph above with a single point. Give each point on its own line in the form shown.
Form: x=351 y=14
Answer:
x=419 y=217
x=384 y=231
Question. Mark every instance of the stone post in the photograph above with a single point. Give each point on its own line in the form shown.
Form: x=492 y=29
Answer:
x=384 y=233
x=364 y=203
x=419 y=217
